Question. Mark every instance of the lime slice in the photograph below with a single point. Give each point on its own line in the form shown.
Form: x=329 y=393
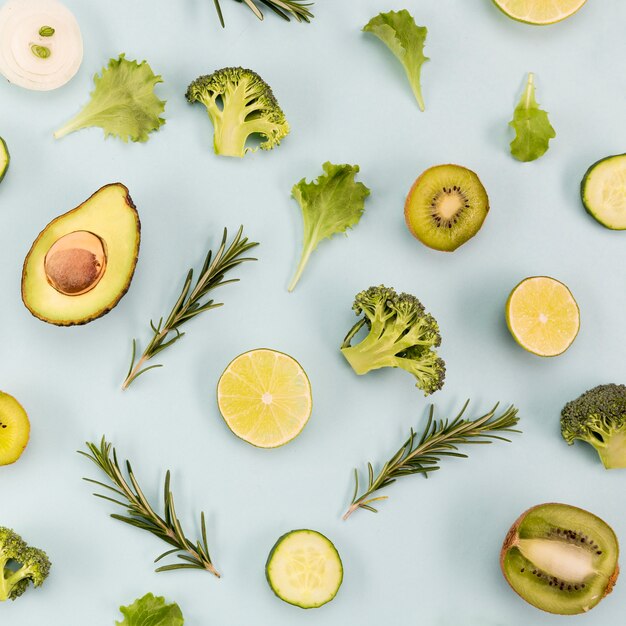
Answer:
x=264 y=397
x=539 y=11
x=543 y=316
x=14 y=429
x=4 y=158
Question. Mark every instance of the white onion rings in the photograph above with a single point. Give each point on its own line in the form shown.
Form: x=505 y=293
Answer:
x=33 y=60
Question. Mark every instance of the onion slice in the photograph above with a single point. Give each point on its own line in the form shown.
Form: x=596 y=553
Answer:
x=41 y=47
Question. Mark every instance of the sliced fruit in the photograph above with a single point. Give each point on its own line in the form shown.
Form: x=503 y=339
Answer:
x=540 y=12
x=603 y=191
x=543 y=316
x=4 y=158
x=446 y=206
x=560 y=558
x=265 y=398
x=14 y=429
x=82 y=262
x=304 y=569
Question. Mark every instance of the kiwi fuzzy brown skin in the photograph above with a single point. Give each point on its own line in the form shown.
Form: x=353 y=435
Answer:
x=407 y=207
x=511 y=539
x=111 y=305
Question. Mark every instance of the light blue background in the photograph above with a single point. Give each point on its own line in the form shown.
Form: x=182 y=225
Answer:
x=430 y=556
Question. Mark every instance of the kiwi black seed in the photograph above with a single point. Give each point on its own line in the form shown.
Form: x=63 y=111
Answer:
x=446 y=207
x=560 y=558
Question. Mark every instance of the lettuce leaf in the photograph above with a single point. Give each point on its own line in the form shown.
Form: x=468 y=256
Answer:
x=330 y=205
x=123 y=102
x=399 y=32
x=151 y=611
x=533 y=130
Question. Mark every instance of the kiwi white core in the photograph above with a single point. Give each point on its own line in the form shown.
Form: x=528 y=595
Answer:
x=450 y=204
x=565 y=561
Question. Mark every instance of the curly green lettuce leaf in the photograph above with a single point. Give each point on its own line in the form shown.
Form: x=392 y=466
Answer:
x=151 y=611
x=122 y=103
x=533 y=130
x=331 y=204
x=399 y=32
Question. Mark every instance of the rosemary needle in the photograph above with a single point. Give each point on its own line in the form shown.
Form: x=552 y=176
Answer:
x=142 y=515
x=298 y=9
x=190 y=302
x=440 y=438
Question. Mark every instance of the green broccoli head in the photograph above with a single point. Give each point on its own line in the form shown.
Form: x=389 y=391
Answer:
x=599 y=418
x=401 y=334
x=19 y=565
x=240 y=104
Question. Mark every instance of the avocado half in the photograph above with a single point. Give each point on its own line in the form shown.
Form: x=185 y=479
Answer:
x=82 y=262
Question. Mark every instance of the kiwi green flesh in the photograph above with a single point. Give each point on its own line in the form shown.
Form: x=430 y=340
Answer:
x=446 y=207
x=561 y=559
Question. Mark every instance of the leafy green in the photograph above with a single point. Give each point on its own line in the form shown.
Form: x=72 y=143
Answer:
x=151 y=611
x=330 y=205
x=123 y=102
x=533 y=130
x=399 y=32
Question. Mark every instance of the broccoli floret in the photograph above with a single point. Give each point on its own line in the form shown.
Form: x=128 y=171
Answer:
x=19 y=565
x=599 y=418
x=240 y=103
x=401 y=334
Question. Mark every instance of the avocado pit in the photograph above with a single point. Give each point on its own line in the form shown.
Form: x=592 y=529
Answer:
x=75 y=263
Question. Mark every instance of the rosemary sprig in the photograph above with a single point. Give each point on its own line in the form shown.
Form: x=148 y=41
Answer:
x=298 y=9
x=440 y=438
x=142 y=515
x=189 y=303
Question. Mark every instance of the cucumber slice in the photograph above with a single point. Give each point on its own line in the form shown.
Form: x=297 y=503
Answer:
x=4 y=158
x=304 y=569
x=603 y=191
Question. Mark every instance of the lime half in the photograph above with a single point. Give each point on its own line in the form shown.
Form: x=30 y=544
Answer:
x=543 y=316
x=4 y=158
x=265 y=398
x=539 y=12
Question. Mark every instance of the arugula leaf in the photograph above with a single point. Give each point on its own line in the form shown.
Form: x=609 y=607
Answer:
x=330 y=205
x=399 y=32
x=533 y=130
x=151 y=611
x=123 y=102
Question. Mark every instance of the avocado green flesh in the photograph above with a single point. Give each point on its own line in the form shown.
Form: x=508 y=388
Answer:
x=109 y=214
x=603 y=191
x=542 y=552
x=304 y=569
x=455 y=194
x=4 y=158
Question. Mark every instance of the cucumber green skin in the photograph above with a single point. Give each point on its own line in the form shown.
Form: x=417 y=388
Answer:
x=583 y=187
x=273 y=552
x=4 y=151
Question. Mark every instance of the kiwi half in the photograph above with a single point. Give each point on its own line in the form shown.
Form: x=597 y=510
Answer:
x=560 y=558
x=446 y=206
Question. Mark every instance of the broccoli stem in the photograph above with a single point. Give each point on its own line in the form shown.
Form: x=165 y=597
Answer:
x=613 y=451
